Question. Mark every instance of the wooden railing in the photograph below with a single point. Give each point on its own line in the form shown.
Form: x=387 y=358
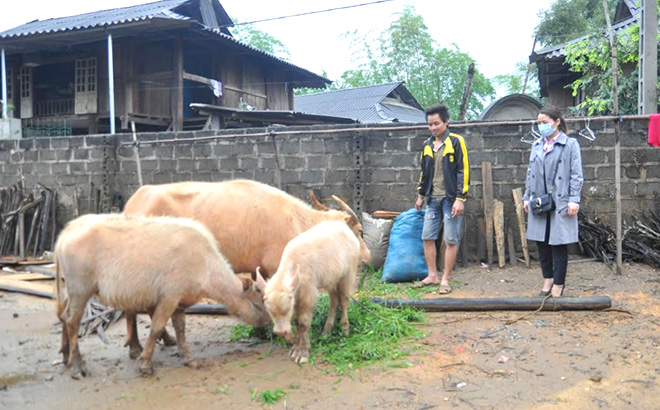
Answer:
x=48 y=108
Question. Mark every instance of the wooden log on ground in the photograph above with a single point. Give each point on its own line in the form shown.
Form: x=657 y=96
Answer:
x=25 y=276
x=204 y=309
x=498 y=226
x=517 y=199
x=491 y=304
x=487 y=179
x=30 y=288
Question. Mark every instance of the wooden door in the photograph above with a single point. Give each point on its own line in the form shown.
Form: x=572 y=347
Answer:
x=26 y=92
x=86 y=97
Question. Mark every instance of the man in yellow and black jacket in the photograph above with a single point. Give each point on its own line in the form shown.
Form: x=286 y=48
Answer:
x=443 y=184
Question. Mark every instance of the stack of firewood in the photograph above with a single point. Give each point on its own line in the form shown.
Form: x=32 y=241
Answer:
x=28 y=221
x=640 y=243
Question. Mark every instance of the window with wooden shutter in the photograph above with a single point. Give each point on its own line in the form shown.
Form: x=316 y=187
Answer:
x=86 y=96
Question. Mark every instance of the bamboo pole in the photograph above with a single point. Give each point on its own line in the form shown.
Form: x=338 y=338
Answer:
x=617 y=139
x=375 y=129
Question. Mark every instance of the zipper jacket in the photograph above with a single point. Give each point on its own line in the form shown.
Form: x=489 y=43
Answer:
x=455 y=167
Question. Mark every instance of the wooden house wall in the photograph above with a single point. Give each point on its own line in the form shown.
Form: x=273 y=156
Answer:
x=144 y=76
x=154 y=95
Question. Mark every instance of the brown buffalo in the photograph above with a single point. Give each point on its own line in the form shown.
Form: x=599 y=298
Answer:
x=252 y=221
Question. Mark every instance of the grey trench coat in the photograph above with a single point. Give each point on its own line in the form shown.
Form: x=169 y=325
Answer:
x=568 y=187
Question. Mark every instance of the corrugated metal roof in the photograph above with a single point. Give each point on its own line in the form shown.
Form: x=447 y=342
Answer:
x=549 y=53
x=362 y=104
x=160 y=9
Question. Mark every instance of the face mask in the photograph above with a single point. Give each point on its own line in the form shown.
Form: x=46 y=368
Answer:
x=546 y=130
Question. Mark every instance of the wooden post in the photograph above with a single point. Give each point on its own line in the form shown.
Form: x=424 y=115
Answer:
x=137 y=154
x=176 y=94
x=487 y=179
x=481 y=240
x=517 y=199
x=512 y=248
x=466 y=92
x=498 y=222
x=21 y=235
x=463 y=249
x=617 y=139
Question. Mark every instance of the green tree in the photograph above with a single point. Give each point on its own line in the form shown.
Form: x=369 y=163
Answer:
x=252 y=36
x=406 y=52
x=592 y=58
x=567 y=20
x=513 y=83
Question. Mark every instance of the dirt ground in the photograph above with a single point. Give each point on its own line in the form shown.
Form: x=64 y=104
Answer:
x=556 y=360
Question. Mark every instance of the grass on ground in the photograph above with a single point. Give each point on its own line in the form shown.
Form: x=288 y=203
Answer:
x=378 y=333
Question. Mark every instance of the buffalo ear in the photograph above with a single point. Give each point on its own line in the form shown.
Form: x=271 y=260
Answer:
x=247 y=284
x=316 y=203
x=293 y=279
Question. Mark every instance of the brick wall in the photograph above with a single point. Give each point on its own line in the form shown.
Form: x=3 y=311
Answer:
x=370 y=167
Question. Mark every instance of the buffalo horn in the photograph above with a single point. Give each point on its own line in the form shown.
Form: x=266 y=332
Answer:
x=345 y=207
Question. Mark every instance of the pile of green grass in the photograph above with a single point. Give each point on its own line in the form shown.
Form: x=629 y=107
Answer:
x=378 y=333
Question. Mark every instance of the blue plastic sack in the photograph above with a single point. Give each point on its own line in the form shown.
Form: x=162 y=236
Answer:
x=405 y=255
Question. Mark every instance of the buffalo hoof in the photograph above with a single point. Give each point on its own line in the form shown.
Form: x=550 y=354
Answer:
x=146 y=370
x=193 y=364
x=79 y=372
x=299 y=355
x=135 y=352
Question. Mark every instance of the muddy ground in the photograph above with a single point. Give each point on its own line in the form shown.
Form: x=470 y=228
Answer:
x=556 y=360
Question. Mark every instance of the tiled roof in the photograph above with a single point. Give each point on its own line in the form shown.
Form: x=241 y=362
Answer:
x=365 y=104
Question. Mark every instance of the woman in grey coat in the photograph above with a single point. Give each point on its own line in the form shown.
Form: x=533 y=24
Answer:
x=556 y=229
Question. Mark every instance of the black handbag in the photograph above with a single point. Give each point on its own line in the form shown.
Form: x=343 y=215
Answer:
x=543 y=204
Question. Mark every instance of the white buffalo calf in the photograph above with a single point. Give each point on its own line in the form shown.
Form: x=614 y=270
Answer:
x=326 y=257
x=155 y=265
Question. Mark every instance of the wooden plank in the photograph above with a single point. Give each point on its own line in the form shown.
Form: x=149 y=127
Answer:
x=512 y=248
x=386 y=214
x=176 y=93
x=487 y=179
x=30 y=288
x=25 y=276
x=445 y=304
x=517 y=199
x=481 y=240
x=463 y=249
x=498 y=224
x=207 y=81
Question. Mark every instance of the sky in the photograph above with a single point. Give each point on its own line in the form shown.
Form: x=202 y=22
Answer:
x=497 y=34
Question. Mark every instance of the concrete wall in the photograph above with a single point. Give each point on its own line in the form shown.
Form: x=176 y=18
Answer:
x=370 y=167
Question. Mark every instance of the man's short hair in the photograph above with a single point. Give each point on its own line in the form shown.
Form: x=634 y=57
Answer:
x=439 y=109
